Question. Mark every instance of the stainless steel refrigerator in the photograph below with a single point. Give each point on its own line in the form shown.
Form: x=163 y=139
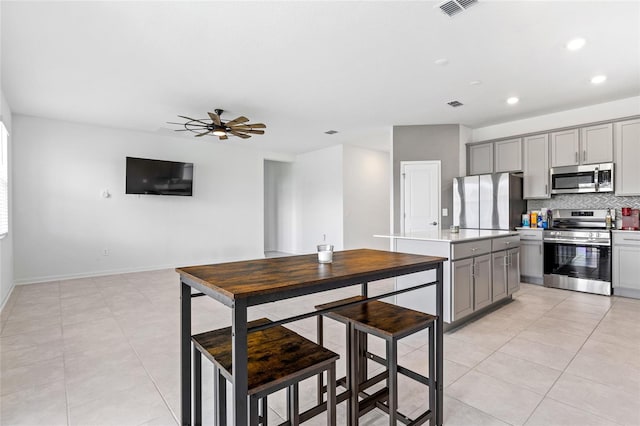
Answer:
x=488 y=201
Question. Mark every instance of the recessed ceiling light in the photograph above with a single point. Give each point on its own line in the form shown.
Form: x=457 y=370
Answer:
x=441 y=61
x=599 y=79
x=475 y=82
x=513 y=100
x=576 y=44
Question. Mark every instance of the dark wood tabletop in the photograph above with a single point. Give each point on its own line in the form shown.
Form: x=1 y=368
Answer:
x=253 y=278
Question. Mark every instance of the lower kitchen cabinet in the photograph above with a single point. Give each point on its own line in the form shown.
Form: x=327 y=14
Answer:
x=462 y=288
x=626 y=264
x=531 y=257
x=482 y=281
x=506 y=273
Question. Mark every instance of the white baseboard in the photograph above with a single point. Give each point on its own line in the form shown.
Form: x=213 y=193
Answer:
x=6 y=299
x=91 y=274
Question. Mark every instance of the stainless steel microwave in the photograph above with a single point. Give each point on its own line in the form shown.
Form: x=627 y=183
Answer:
x=580 y=179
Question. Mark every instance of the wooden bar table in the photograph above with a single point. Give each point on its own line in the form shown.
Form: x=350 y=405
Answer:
x=240 y=285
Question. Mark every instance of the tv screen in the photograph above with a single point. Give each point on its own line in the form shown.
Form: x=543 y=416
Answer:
x=145 y=176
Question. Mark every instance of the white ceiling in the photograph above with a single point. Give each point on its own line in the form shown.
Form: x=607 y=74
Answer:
x=306 y=67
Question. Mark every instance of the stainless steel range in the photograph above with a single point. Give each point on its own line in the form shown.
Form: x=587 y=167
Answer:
x=577 y=251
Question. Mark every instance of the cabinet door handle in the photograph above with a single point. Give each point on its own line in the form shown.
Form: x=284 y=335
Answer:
x=545 y=188
x=576 y=156
x=631 y=239
x=584 y=155
x=507 y=242
x=540 y=247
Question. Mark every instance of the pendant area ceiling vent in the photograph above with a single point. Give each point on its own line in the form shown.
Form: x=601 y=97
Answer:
x=452 y=7
x=455 y=104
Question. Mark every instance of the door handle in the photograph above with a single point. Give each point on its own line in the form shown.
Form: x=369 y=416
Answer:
x=434 y=223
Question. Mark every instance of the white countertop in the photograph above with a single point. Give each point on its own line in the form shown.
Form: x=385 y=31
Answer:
x=446 y=235
x=624 y=231
x=522 y=228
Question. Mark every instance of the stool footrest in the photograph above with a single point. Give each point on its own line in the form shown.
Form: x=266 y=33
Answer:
x=401 y=370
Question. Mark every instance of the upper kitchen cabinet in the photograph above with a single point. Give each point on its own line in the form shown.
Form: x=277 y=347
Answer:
x=536 y=167
x=588 y=145
x=627 y=147
x=508 y=155
x=565 y=147
x=481 y=158
x=596 y=143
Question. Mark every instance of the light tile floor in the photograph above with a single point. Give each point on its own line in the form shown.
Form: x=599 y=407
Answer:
x=104 y=351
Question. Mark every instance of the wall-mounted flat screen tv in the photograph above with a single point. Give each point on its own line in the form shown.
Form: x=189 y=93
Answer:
x=146 y=176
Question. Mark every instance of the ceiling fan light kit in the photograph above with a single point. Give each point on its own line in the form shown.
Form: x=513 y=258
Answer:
x=214 y=125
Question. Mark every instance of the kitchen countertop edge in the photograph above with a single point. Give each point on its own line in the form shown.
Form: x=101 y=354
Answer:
x=444 y=235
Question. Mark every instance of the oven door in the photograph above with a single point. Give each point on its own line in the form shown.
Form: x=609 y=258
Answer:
x=578 y=260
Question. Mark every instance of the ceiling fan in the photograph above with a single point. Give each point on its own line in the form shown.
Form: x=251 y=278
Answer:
x=214 y=125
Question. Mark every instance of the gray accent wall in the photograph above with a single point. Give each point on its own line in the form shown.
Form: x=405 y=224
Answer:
x=427 y=143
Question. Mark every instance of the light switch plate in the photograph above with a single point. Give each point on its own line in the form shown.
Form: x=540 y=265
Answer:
x=445 y=212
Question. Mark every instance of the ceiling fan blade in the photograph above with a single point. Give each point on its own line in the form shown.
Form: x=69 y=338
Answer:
x=223 y=137
x=192 y=119
x=215 y=118
x=202 y=134
x=254 y=132
x=235 y=121
x=242 y=135
x=244 y=127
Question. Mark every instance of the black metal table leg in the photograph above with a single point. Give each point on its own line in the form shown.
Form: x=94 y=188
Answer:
x=240 y=362
x=197 y=387
x=439 y=346
x=185 y=352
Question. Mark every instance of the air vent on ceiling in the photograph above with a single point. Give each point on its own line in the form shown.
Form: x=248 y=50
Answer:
x=451 y=7
x=455 y=104
x=331 y=132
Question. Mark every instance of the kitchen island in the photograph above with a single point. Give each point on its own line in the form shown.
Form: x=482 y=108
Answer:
x=482 y=270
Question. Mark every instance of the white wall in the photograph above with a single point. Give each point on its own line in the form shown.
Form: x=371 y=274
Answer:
x=366 y=192
x=279 y=207
x=319 y=198
x=599 y=112
x=466 y=135
x=6 y=244
x=62 y=224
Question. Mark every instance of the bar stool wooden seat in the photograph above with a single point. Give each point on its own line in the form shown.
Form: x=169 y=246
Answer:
x=278 y=358
x=390 y=323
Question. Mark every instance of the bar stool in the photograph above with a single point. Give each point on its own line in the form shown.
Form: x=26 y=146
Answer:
x=278 y=358
x=390 y=323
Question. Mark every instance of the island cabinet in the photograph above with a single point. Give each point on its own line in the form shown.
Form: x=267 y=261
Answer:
x=482 y=271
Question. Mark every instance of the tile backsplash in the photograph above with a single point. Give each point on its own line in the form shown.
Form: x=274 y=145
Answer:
x=586 y=201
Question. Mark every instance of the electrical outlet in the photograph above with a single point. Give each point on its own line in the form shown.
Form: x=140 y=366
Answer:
x=445 y=212
x=105 y=252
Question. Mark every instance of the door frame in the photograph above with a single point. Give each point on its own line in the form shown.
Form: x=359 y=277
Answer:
x=403 y=164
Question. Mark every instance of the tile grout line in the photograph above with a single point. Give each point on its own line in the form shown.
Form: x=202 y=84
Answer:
x=155 y=385
x=567 y=366
x=64 y=361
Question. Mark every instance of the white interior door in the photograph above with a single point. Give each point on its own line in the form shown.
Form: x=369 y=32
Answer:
x=420 y=195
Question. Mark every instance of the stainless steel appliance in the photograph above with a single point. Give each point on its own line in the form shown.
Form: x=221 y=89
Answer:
x=578 y=179
x=577 y=251
x=488 y=201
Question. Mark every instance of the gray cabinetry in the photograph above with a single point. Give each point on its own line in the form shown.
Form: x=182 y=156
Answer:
x=481 y=159
x=506 y=268
x=626 y=267
x=508 y=155
x=462 y=288
x=536 y=167
x=565 y=148
x=627 y=148
x=482 y=281
x=596 y=144
x=531 y=259
x=513 y=270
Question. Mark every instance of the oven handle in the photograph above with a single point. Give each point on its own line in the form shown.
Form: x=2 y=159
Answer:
x=576 y=242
